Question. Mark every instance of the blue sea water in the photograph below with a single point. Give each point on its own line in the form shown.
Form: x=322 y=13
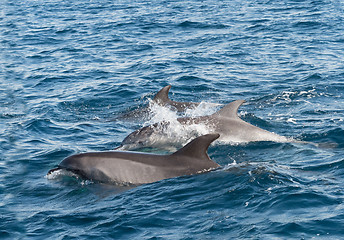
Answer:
x=69 y=68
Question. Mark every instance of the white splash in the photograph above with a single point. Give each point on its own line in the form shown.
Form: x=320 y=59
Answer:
x=59 y=173
x=160 y=113
x=234 y=164
x=292 y=120
x=202 y=109
x=169 y=131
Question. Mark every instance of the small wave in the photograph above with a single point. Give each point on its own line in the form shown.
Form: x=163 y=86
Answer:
x=43 y=126
x=66 y=30
x=67 y=176
x=58 y=174
x=307 y=25
x=297 y=94
x=191 y=24
x=324 y=167
x=333 y=138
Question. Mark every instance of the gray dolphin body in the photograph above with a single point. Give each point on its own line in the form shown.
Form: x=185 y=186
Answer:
x=139 y=168
x=225 y=121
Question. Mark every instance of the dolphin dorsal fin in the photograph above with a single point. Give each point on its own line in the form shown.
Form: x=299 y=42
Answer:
x=198 y=147
x=230 y=110
x=162 y=95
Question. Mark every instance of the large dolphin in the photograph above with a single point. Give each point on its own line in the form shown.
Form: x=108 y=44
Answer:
x=161 y=99
x=225 y=121
x=139 y=168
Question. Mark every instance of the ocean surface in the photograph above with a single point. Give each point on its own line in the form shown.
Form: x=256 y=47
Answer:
x=70 y=69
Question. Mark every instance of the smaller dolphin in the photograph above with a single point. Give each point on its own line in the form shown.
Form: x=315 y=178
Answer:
x=140 y=168
x=162 y=99
x=226 y=122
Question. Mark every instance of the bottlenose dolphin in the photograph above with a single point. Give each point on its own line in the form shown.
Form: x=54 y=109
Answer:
x=226 y=122
x=139 y=168
x=161 y=99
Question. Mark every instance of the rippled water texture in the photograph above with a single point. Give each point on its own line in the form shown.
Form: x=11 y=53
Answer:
x=70 y=69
